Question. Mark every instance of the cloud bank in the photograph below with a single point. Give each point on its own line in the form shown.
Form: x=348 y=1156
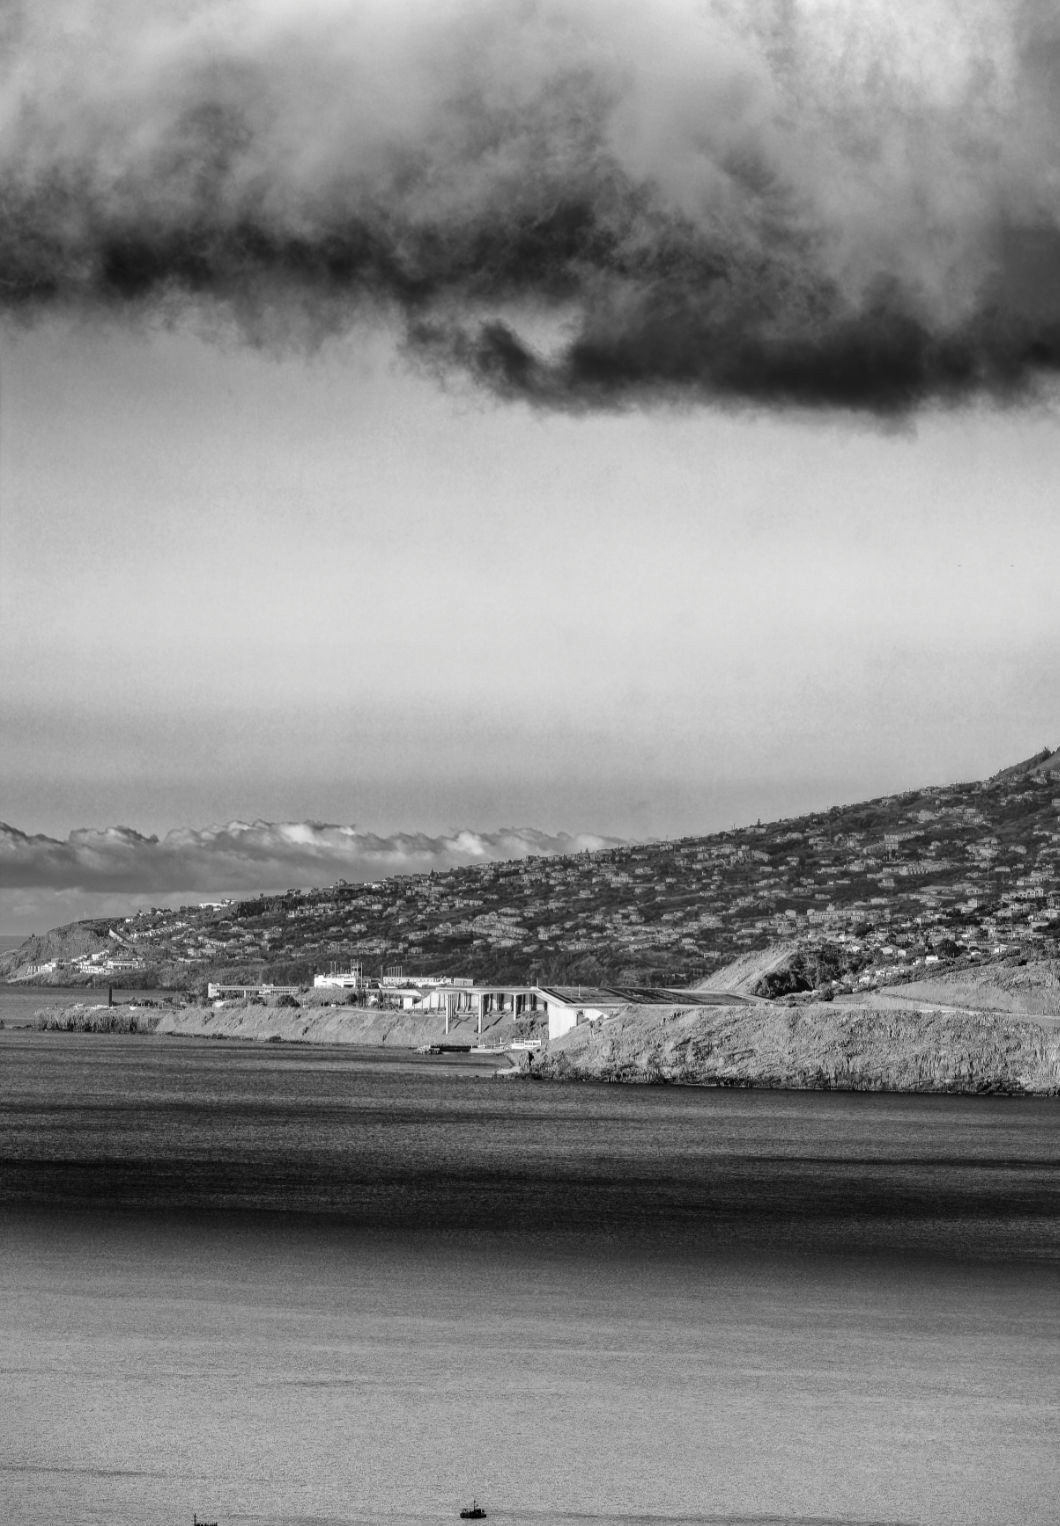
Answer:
x=582 y=204
x=253 y=856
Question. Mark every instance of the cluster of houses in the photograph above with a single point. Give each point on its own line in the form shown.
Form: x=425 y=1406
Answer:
x=101 y=963
x=963 y=871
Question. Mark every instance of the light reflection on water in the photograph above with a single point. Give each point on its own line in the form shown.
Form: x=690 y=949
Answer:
x=306 y=1287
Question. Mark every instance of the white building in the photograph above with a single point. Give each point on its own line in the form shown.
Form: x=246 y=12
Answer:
x=341 y=980
x=563 y=1007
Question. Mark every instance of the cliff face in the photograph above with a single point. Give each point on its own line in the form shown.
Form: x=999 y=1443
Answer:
x=815 y=1048
x=64 y=943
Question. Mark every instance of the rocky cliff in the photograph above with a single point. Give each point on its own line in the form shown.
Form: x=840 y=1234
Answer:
x=815 y=1048
x=62 y=943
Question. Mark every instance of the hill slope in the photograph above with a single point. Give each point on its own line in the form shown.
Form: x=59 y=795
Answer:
x=865 y=895
x=1032 y=988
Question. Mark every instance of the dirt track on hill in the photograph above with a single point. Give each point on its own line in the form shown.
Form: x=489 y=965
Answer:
x=905 y=998
x=1031 y=989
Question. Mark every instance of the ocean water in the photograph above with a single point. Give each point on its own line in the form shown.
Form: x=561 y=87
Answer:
x=20 y=1003
x=274 y=1284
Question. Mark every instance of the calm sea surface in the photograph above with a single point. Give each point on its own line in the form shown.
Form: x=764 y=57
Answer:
x=20 y=1003
x=280 y=1284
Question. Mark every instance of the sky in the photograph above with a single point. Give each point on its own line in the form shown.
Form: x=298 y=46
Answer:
x=433 y=433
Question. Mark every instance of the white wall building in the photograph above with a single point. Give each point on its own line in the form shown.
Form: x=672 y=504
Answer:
x=341 y=980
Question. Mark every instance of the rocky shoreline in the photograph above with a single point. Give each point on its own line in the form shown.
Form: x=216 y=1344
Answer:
x=816 y=1048
x=823 y=1047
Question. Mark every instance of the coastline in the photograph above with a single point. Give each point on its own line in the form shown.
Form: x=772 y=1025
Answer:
x=821 y=1047
x=817 y=1048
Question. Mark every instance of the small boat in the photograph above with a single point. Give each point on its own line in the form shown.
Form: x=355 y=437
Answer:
x=473 y=1512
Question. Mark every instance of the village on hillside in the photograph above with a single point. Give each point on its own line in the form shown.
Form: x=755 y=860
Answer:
x=872 y=893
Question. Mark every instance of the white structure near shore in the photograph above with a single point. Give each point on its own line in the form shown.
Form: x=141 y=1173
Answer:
x=560 y=1008
x=341 y=980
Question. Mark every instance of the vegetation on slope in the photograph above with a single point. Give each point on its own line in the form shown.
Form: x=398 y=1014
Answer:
x=868 y=894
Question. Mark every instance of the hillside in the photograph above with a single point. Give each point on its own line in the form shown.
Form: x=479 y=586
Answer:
x=64 y=945
x=1032 y=988
x=745 y=975
x=1045 y=762
x=856 y=897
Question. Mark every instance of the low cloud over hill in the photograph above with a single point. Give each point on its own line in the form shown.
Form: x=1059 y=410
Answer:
x=243 y=856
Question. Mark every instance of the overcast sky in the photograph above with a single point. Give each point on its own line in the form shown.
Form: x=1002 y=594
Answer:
x=516 y=552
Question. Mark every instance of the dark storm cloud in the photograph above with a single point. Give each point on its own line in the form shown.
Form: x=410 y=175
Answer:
x=254 y=855
x=578 y=204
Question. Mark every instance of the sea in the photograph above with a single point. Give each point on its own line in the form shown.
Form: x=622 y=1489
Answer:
x=272 y=1284
x=19 y=1004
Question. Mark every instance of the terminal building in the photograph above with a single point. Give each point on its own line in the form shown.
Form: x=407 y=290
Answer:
x=565 y=1007
x=561 y=1007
